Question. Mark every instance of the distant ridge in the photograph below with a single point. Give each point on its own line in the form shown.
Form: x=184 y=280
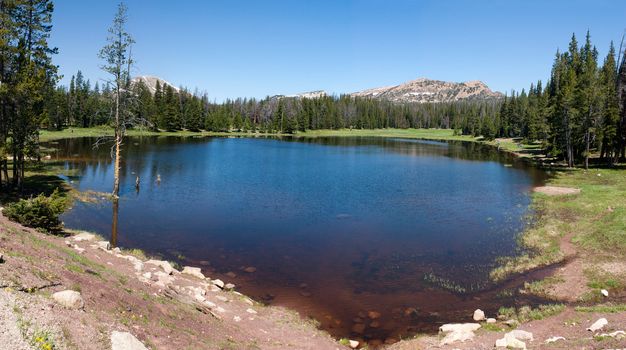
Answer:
x=425 y=90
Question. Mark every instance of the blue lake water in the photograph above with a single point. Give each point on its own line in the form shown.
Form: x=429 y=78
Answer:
x=334 y=226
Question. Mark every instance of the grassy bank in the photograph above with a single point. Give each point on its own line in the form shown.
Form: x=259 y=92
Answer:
x=590 y=226
x=508 y=145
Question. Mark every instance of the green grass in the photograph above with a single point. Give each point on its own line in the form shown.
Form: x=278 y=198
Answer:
x=48 y=135
x=526 y=313
x=596 y=218
x=606 y=308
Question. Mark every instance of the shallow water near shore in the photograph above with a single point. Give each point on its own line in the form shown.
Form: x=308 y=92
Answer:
x=334 y=228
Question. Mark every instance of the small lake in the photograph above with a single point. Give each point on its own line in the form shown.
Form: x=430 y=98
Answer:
x=335 y=227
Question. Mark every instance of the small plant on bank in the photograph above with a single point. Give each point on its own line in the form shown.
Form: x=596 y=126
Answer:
x=40 y=212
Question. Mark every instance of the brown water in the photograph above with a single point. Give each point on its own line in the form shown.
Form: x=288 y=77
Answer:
x=335 y=227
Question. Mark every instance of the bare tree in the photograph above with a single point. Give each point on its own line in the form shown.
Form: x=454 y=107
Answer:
x=117 y=54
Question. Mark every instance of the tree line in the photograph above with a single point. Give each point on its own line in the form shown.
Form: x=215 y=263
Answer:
x=579 y=112
x=27 y=77
x=170 y=108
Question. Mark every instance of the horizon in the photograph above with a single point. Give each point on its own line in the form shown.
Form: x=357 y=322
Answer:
x=252 y=50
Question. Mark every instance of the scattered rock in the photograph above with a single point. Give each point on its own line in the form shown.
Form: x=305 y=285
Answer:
x=165 y=265
x=222 y=298
x=373 y=315
x=479 y=315
x=104 y=245
x=84 y=236
x=193 y=271
x=250 y=269
x=375 y=324
x=163 y=279
x=70 y=299
x=218 y=283
x=458 y=332
x=231 y=274
x=511 y=323
x=554 y=339
x=598 y=325
x=521 y=335
x=616 y=334
x=229 y=286
x=353 y=344
x=213 y=288
x=510 y=342
x=604 y=292
x=251 y=311
x=125 y=341
x=491 y=320
x=410 y=311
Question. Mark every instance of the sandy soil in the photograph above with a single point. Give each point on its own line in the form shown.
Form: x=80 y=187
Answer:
x=556 y=191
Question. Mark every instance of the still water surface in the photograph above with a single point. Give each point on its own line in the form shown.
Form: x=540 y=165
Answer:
x=335 y=227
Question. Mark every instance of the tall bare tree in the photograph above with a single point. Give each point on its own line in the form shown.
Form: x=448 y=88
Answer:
x=117 y=54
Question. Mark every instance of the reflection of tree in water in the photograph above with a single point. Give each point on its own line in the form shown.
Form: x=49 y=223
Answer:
x=116 y=207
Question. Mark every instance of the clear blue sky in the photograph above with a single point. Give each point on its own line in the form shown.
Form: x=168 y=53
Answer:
x=232 y=48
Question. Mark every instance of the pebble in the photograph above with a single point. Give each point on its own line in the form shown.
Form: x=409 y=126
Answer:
x=479 y=315
x=69 y=298
x=218 y=283
x=354 y=344
x=373 y=315
x=554 y=339
x=604 y=292
x=250 y=269
x=491 y=320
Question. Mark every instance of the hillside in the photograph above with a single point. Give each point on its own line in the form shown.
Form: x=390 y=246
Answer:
x=426 y=90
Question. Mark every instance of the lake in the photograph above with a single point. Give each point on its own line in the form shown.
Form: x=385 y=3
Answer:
x=335 y=227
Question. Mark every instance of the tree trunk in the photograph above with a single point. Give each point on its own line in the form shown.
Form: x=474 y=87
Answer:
x=118 y=145
x=587 y=141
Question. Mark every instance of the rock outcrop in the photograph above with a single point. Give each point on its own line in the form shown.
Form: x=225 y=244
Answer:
x=426 y=90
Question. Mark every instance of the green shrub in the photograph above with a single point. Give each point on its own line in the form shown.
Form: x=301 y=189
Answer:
x=40 y=212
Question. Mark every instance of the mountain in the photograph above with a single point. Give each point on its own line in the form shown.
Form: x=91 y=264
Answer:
x=151 y=82
x=309 y=94
x=426 y=90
